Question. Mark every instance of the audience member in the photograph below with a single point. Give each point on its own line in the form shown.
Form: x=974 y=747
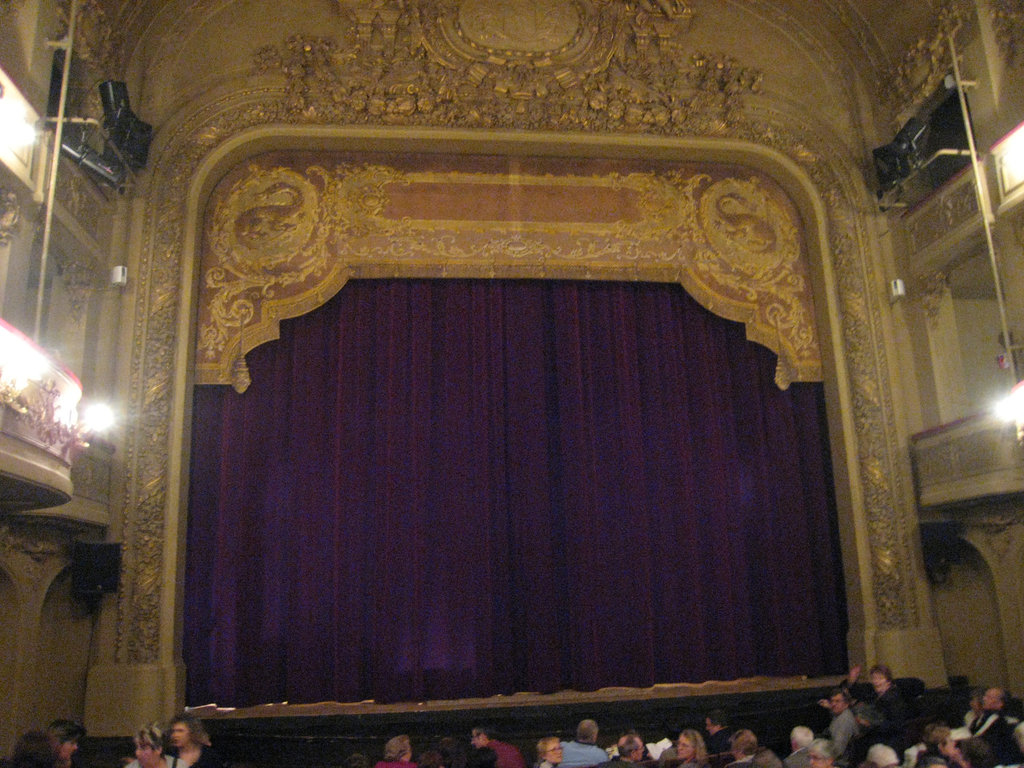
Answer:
x=843 y=728
x=977 y=753
x=549 y=752
x=481 y=757
x=453 y=751
x=432 y=758
x=690 y=749
x=765 y=758
x=583 y=750
x=933 y=736
x=630 y=749
x=397 y=753
x=975 y=708
x=821 y=753
x=34 y=749
x=190 y=743
x=883 y=756
x=509 y=755
x=743 y=747
x=357 y=760
x=719 y=737
x=800 y=739
x=881 y=709
x=149 y=749
x=997 y=731
x=65 y=735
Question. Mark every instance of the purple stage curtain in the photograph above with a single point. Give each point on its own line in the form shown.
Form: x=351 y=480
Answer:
x=452 y=488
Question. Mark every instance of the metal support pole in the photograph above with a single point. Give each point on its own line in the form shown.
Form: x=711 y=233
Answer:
x=985 y=207
x=51 y=184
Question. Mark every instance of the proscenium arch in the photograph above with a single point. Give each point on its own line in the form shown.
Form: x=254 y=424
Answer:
x=258 y=140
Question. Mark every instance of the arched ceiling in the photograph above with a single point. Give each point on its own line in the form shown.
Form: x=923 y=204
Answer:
x=826 y=56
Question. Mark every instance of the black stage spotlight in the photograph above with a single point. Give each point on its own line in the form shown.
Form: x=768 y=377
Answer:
x=127 y=132
x=895 y=161
x=105 y=165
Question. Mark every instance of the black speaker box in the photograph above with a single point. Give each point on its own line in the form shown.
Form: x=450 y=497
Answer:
x=95 y=568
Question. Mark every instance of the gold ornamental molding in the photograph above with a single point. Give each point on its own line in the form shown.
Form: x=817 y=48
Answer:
x=922 y=68
x=639 y=77
x=1008 y=21
x=10 y=216
x=285 y=231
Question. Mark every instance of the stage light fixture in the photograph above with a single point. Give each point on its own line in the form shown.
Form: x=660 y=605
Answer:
x=127 y=132
x=104 y=165
x=895 y=161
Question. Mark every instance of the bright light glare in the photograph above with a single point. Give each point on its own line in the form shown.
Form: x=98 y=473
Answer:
x=1011 y=407
x=16 y=131
x=20 y=363
x=97 y=418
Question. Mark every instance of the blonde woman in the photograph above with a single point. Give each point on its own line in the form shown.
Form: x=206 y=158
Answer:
x=149 y=748
x=549 y=752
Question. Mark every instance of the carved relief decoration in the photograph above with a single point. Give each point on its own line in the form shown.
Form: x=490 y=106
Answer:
x=10 y=216
x=1008 y=21
x=647 y=85
x=934 y=289
x=80 y=276
x=921 y=70
x=98 y=39
x=33 y=550
x=955 y=206
x=287 y=230
x=589 y=65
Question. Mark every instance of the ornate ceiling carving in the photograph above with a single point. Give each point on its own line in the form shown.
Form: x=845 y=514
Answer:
x=591 y=65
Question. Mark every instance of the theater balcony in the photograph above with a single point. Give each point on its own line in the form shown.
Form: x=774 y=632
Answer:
x=42 y=437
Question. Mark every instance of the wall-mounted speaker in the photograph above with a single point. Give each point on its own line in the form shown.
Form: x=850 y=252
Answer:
x=95 y=569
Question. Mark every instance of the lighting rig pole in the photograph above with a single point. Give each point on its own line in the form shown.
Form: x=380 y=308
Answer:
x=985 y=207
x=51 y=184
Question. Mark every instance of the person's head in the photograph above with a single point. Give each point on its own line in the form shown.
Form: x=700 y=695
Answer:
x=432 y=758
x=821 y=753
x=838 y=701
x=187 y=730
x=977 y=753
x=743 y=743
x=993 y=700
x=479 y=737
x=549 y=749
x=800 y=737
x=881 y=678
x=149 y=745
x=481 y=757
x=34 y=749
x=883 y=756
x=398 y=749
x=64 y=735
x=586 y=732
x=977 y=694
x=715 y=721
x=690 y=747
x=933 y=734
x=631 y=748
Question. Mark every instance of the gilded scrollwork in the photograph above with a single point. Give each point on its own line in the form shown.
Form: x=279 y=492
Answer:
x=597 y=66
x=32 y=549
x=285 y=236
x=10 y=216
x=1008 y=21
x=934 y=290
x=921 y=70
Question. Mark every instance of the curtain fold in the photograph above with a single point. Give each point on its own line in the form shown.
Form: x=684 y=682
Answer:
x=451 y=488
